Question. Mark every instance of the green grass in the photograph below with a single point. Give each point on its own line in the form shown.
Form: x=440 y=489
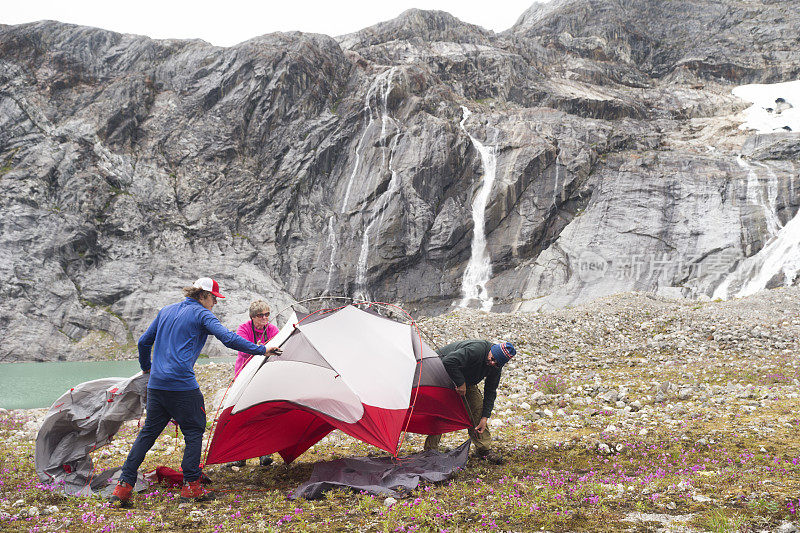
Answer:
x=709 y=470
x=555 y=488
x=720 y=521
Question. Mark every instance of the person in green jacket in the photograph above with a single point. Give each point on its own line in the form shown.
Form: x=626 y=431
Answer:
x=468 y=363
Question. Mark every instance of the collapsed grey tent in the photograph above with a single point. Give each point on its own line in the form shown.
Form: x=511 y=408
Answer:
x=383 y=476
x=82 y=420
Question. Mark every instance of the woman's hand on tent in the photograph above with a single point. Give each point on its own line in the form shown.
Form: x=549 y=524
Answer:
x=481 y=425
x=274 y=351
x=462 y=389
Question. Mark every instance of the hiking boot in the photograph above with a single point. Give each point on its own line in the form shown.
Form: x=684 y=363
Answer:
x=194 y=492
x=240 y=464
x=265 y=460
x=439 y=449
x=122 y=494
x=491 y=457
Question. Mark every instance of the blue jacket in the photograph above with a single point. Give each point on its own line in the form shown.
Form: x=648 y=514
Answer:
x=179 y=332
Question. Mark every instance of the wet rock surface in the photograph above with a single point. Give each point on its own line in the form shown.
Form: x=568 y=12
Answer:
x=294 y=165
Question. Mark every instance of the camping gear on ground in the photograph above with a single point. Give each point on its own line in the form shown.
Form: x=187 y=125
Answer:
x=383 y=476
x=170 y=477
x=348 y=369
x=82 y=420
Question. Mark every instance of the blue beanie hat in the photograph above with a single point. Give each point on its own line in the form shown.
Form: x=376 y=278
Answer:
x=502 y=352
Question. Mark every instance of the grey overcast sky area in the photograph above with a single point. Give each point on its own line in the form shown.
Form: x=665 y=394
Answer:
x=228 y=22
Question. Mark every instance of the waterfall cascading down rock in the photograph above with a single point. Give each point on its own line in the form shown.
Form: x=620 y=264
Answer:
x=379 y=92
x=383 y=83
x=297 y=165
x=479 y=268
x=555 y=183
x=780 y=255
x=764 y=199
x=376 y=219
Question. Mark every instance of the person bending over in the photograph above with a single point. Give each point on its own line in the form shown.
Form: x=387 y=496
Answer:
x=468 y=363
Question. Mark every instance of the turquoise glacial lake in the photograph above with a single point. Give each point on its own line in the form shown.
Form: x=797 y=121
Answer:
x=32 y=385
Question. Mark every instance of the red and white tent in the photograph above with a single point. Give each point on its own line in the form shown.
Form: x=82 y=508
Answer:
x=347 y=369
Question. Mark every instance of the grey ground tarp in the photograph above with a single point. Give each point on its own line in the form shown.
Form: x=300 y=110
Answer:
x=82 y=420
x=383 y=475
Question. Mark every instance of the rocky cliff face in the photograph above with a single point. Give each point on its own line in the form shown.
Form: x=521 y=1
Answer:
x=297 y=165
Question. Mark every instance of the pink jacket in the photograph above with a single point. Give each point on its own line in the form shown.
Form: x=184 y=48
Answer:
x=246 y=331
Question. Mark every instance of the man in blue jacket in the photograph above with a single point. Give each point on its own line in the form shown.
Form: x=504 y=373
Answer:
x=175 y=338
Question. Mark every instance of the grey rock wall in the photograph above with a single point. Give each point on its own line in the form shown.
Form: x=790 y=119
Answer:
x=298 y=165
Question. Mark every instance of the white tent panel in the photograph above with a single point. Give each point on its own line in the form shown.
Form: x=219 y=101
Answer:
x=242 y=380
x=312 y=386
x=249 y=370
x=373 y=355
x=284 y=333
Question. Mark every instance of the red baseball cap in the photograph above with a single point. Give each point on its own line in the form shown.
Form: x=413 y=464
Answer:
x=208 y=284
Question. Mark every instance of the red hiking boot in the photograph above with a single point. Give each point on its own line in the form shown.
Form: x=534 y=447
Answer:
x=194 y=492
x=122 y=494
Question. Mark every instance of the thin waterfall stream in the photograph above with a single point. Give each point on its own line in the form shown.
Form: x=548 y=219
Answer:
x=378 y=212
x=379 y=91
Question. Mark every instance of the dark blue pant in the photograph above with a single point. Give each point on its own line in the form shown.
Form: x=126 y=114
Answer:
x=188 y=410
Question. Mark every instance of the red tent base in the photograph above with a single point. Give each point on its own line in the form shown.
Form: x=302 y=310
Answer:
x=290 y=430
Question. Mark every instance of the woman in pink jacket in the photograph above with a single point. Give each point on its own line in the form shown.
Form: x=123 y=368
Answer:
x=257 y=330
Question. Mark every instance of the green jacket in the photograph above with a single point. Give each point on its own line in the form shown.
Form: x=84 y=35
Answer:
x=465 y=362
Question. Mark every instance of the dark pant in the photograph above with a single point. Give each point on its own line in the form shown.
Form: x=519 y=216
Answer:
x=188 y=410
